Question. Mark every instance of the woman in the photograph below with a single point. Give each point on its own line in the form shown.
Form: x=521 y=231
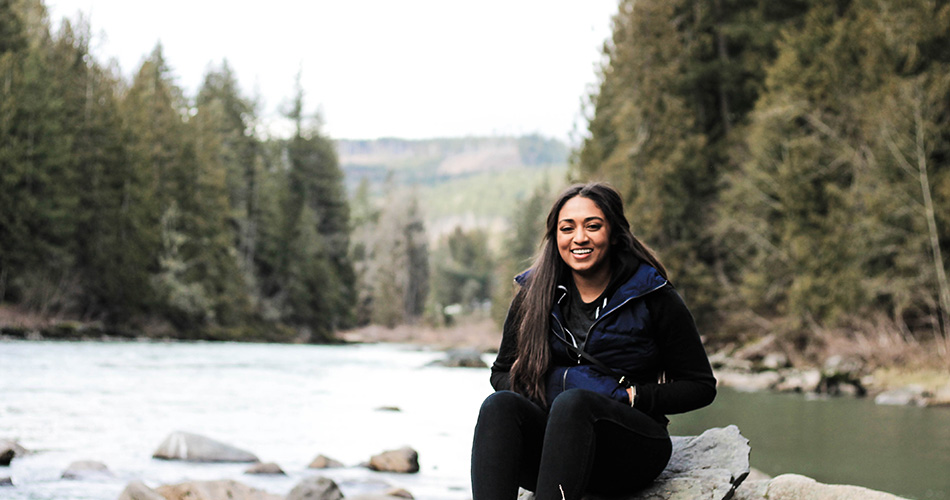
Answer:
x=595 y=327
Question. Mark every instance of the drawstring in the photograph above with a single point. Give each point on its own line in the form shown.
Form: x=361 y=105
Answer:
x=597 y=312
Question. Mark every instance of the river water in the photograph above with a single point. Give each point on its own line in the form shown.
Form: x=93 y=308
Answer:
x=116 y=402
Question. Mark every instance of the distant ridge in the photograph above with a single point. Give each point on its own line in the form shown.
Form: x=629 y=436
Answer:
x=432 y=161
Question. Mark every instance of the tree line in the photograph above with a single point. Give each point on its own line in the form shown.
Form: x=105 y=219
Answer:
x=133 y=204
x=790 y=161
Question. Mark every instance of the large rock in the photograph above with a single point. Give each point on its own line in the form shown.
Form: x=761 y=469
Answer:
x=86 y=469
x=795 y=487
x=10 y=449
x=461 y=358
x=214 y=490
x=404 y=460
x=137 y=490
x=325 y=462
x=269 y=468
x=195 y=448
x=315 y=488
x=706 y=467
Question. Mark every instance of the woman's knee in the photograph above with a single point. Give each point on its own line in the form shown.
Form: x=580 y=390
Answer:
x=502 y=403
x=575 y=401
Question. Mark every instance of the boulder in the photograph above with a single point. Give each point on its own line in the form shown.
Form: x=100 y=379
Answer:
x=404 y=460
x=796 y=487
x=390 y=494
x=10 y=449
x=706 y=467
x=137 y=490
x=903 y=396
x=803 y=381
x=214 y=490
x=461 y=358
x=748 y=381
x=86 y=469
x=6 y=481
x=195 y=448
x=324 y=462
x=841 y=375
x=315 y=488
x=268 y=468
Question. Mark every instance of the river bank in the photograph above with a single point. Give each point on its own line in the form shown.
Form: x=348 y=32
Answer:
x=887 y=368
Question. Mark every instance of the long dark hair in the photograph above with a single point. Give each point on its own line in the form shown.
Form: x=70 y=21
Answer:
x=527 y=372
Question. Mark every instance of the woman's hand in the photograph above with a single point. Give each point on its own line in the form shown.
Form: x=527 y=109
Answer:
x=632 y=394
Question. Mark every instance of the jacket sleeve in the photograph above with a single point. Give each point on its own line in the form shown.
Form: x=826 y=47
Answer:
x=690 y=383
x=508 y=351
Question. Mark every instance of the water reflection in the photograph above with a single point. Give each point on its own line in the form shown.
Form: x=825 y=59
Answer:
x=901 y=450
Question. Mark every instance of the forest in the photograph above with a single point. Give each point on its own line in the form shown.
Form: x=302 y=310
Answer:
x=788 y=161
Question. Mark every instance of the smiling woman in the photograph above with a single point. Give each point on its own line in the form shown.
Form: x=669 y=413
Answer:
x=411 y=69
x=596 y=350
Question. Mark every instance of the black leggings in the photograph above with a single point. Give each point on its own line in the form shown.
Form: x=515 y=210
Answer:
x=587 y=442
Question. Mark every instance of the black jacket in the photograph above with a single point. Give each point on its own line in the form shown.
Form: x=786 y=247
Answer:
x=645 y=332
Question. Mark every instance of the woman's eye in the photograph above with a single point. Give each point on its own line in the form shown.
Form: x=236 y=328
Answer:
x=567 y=229
x=593 y=227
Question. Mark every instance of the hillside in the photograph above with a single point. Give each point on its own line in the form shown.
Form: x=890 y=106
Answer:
x=467 y=182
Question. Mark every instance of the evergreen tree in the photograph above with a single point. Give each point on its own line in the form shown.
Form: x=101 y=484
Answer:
x=313 y=262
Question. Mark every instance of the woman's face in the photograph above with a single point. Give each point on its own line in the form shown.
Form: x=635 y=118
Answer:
x=583 y=236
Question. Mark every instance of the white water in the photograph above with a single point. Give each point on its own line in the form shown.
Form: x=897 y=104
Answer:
x=116 y=402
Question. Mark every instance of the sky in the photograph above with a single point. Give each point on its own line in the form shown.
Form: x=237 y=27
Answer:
x=375 y=68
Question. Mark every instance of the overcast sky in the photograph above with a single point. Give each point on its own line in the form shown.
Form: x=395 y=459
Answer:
x=376 y=68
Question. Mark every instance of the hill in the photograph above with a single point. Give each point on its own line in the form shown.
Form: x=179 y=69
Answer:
x=468 y=182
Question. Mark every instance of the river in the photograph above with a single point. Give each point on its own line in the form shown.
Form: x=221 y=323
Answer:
x=116 y=402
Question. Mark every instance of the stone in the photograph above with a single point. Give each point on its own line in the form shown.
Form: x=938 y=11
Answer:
x=710 y=466
x=214 y=490
x=796 y=487
x=268 y=468
x=137 y=490
x=404 y=460
x=752 y=382
x=195 y=448
x=315 y=488
x=324 y=462
x=904 y=396
x=774 y=361
x=86 y=469
x=6 y=481
x=9 y=449
x=461 y=358
x=842 y=375
x=802 y=381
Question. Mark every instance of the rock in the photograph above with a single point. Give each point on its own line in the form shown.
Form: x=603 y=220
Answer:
x=5 y=481
x=9 y=449
x=940 y=397
x=774 y=361
x=86 y=469
x=904 y=396
x=323 y=462
x=842 y=375
x=748 y=381
x=315 y=488
x=795 y=487
x=390 y=494
x=136 y=490
x=398 y=493
x=404 y=460
x=461 y=358
x=395 y=409
x=214 y=490
x=195 y=448
x=710 y=466
x=268 y=468
x=799 y=381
